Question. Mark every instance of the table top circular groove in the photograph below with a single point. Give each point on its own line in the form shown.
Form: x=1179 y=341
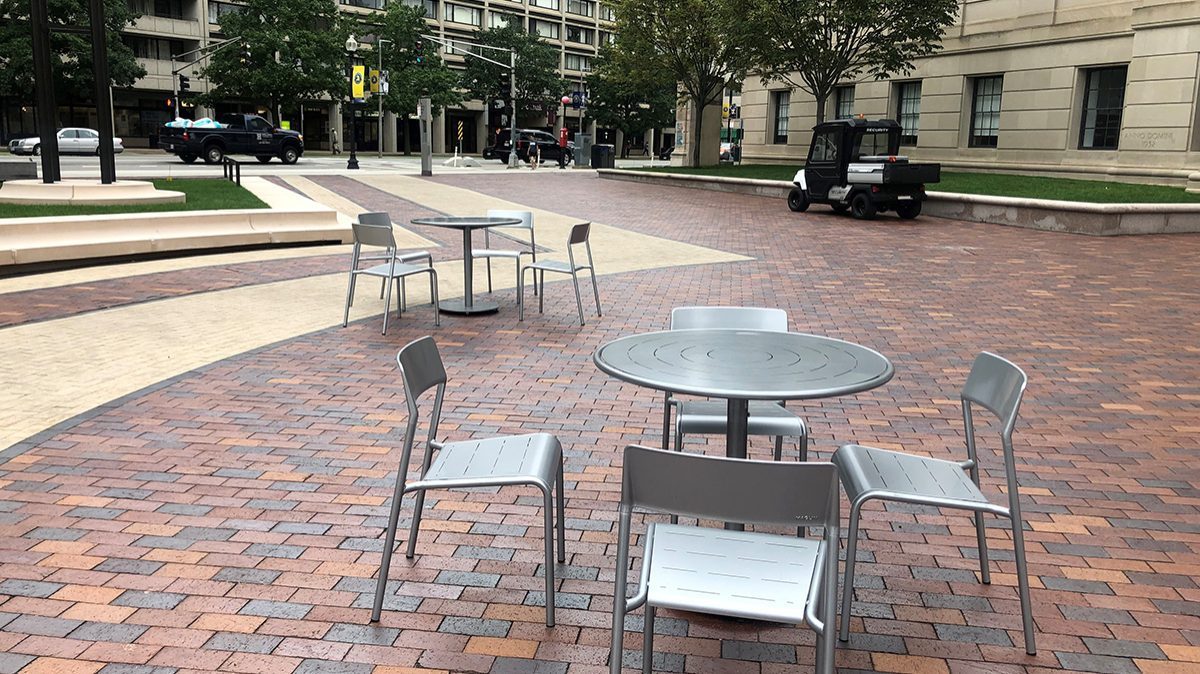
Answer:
x=466 y=221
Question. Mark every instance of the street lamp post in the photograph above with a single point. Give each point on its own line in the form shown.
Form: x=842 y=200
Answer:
x=351 y=49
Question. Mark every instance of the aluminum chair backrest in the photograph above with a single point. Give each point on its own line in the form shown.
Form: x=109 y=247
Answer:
x=735 y=490
x=373 y=235
x=526 y=218
x=736 y=318
x=997 y=385
x=375 y=219
x=579 y=233
x=421 y=369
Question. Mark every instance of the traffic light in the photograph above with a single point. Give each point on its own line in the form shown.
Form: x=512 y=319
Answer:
x=170 y=103
x=184 y=84
x=244 y=57
x=419 y=51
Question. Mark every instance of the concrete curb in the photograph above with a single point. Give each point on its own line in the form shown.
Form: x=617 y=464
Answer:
x=1042 y=214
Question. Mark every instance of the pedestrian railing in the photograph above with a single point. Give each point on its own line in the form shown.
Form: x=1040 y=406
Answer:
x=232 y=169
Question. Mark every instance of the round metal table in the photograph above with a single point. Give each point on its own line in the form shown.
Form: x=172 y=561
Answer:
x=744 y=365
x=468 y=223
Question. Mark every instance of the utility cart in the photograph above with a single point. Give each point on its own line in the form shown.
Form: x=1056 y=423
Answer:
x=855 y=165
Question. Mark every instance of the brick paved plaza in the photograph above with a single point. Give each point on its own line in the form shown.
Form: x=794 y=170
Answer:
x=230 y=518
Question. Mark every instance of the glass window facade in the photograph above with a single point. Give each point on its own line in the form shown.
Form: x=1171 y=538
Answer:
x=500 y=19
x=429 y=5
x=581 y=7
x=580 y=35
x=550 y=29
x=1103 y=103
x=780 y=105
x=577 y=62
x=843 y=102
x=544 y=4
x=985 y=111
x=471 y=16
x=908 y=111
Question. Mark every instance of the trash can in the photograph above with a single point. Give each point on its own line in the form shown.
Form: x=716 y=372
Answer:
x=583 y=150
x=604 y=156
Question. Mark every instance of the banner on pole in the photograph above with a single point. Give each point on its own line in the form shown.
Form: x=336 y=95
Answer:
x=356 y=81
x=374 y=81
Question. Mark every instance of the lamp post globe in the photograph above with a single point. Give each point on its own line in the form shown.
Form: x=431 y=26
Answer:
x=351 y=49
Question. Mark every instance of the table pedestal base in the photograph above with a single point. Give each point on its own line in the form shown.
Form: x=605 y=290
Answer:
x=478 y=306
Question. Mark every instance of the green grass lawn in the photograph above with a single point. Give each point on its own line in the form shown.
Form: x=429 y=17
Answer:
x=202 y=195
x=996 y=184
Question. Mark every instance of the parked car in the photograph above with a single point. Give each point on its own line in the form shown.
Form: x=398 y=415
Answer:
x=855 y=165
x=238 y=134
x=71 y=140
x=529 y=141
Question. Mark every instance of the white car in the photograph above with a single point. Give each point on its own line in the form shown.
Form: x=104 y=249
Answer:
x=70 y=141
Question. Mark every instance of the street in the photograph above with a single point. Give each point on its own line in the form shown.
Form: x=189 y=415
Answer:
x=147 y=164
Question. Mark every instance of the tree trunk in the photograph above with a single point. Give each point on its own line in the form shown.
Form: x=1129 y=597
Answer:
x=697 y=127
x=821 y=100
x=407 y=141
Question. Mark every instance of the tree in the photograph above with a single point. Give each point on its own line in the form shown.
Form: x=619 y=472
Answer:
x=408 y=80
x=539 y=86
x=627 y=98
x=71 y=52
x=814 y=45
x=687 y=41
x=296 y=52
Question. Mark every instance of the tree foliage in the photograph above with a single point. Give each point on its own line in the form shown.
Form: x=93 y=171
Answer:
x=815 y=45
x=687 y=40
x=297 y=52
x=539 y=86
x=625 y=97
x=73 y=65
x=408 y=80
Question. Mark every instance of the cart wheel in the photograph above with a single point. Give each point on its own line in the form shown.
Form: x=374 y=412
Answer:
x=797 y=201
x=908 y=210
x=839 y=207
x=862 y=207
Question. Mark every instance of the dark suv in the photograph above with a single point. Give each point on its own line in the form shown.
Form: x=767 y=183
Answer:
x=529 y=141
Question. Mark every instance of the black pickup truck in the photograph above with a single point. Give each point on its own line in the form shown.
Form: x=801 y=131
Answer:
x=239 y=134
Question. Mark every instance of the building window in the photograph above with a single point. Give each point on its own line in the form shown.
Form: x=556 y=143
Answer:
x=217 y=9
x=607 y=13
x=153 y=48
x=544 y=4
x=578 y=62
x=985 y=111
x=843 y=98
x=581 y=7
x=908 y=111
x=429 y=5
x=604 y=38
x=579 y=34
x=470 y=16
x=781 y=102
x=545 y=29
x=500 y=19
x=165 y=9
x=368 y=4
x=1103 y=102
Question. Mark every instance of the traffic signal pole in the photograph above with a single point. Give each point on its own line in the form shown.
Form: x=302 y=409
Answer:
x=512 y=85
x=205 y=51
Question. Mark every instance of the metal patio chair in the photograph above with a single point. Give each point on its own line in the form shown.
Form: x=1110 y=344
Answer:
x=487 y=252
x=410 y=257
x=869 y=473
x=709 y=417
x=739 y=574
x=579 y=235
x=534 y=459
x=381 y=236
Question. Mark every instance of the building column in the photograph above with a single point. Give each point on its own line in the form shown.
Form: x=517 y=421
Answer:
x=389 y=132
x=619 y=142
x=648 y=141
x=335 y=126
x=481 y=130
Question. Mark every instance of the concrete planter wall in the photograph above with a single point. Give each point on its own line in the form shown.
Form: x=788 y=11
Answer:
x=1052 y=216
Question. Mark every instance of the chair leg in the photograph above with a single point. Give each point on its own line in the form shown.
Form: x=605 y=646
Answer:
x=985 y=573
x=403 y=296
x=596 y=291
x=666 y=437
x=804 y=447
x=388 y=543
x=562 y=514
x=521 y=293
x=382 y=283
x=489 y=272
x=548 y=507
x=678 y=448
x=542 y=296
x=578 y=297
x=415 y=527
x=848 y=583
x=1023 y=586
x=437 y=310
x=387 y=306
x=349 y=301
x=617 y=653
x=648 y=639
x=778 y=447
x=400 y=300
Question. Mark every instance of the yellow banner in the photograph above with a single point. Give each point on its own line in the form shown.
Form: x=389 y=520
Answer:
x=356 y=81
x=374 y=81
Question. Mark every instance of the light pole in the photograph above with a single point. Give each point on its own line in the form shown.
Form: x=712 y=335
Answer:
x=382 y=82
x=351 y=49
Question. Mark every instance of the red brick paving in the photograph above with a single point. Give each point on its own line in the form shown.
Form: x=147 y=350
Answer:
x=231 y=520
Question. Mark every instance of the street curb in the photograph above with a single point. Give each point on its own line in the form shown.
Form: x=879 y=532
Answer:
x=1071 y=217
